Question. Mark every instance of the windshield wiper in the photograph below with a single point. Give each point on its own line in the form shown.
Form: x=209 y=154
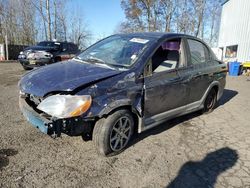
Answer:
x=98 y=61
x=95 y=59
x=102 y=63
x=118 y=65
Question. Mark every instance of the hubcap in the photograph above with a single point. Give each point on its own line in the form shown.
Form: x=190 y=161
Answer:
x=120 y=134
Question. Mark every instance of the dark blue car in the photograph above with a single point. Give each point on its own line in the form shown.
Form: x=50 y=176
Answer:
x=123 y=84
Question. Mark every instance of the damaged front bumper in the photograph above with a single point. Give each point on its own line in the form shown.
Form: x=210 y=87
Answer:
x=54 y=127
x=31 y=63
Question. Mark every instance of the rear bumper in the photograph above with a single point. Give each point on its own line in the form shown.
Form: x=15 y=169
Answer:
x=71 y=126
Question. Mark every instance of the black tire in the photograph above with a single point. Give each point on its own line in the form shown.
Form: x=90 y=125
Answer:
x=57 y=59
x=210 y=101
x=105 y=131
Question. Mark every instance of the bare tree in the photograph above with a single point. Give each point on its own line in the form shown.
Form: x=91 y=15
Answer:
x=19 y=20
x=48 y=19
x=39 y=6
x=27 y=23
x=142 y=15
x=78 y=32
x=194 y=17
x=55 y=19
x=199 y=8
x=168 y=8
x=213 y=12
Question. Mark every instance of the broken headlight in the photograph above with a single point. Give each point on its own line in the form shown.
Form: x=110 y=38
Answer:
x=65 y=106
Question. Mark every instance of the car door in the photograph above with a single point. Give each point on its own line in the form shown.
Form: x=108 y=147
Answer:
x=198 y=70
x=164 y=90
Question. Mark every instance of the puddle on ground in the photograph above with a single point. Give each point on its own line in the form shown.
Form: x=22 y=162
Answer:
x=4 y=156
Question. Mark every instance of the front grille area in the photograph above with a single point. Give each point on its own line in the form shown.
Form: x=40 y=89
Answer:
x=33 y=102
x=35 y=99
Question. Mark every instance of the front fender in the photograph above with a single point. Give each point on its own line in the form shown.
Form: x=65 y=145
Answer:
x=123 y=103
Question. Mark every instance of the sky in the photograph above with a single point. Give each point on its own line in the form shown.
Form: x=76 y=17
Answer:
x=101 y=16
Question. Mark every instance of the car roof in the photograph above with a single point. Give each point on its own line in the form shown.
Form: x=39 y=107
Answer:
x=157 y=35
x=162 y=35
x=57 y=41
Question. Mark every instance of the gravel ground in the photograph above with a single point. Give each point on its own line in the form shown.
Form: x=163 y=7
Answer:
x=192 y=151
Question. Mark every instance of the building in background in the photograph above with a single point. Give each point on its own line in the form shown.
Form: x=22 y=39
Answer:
x=234 y=36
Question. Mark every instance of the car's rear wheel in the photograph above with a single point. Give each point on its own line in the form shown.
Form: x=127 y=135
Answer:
x=210 y=101
x=111 y=135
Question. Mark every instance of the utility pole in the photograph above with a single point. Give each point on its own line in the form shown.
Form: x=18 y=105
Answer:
x=7 y=49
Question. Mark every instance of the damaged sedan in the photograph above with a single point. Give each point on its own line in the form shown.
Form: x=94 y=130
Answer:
x=123 y=84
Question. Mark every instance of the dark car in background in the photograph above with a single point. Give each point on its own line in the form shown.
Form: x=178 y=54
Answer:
x=47 y=52
x=123 y=84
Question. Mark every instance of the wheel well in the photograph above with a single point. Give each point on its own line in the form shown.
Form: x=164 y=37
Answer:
x=58 y=58
x=216 y=88
x=129 y=108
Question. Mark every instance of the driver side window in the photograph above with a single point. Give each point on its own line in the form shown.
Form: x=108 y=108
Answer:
x=168 y=56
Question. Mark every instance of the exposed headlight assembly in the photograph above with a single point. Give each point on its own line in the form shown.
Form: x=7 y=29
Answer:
x=65 y=106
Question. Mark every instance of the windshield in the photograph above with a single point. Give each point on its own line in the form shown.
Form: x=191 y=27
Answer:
x=49 y=44
x=116 y=51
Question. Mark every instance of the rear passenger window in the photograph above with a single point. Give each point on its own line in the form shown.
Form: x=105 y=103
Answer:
x=198 y=51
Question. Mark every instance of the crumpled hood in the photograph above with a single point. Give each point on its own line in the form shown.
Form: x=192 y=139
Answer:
x=63 y=76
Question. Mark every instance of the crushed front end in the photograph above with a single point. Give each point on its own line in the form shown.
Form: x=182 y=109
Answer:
x=52 y=126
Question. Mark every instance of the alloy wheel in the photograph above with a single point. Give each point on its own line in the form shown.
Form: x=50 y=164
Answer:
x=120 y=134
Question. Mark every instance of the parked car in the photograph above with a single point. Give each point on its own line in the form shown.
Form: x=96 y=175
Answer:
x=123 y=84
x=47 y=52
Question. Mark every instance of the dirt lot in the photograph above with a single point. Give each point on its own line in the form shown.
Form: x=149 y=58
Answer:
x=192 y=151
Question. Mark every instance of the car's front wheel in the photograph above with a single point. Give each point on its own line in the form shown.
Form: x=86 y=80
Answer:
x=111 y=135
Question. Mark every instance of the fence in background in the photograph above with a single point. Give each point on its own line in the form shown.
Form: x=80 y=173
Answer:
x=13 y=50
